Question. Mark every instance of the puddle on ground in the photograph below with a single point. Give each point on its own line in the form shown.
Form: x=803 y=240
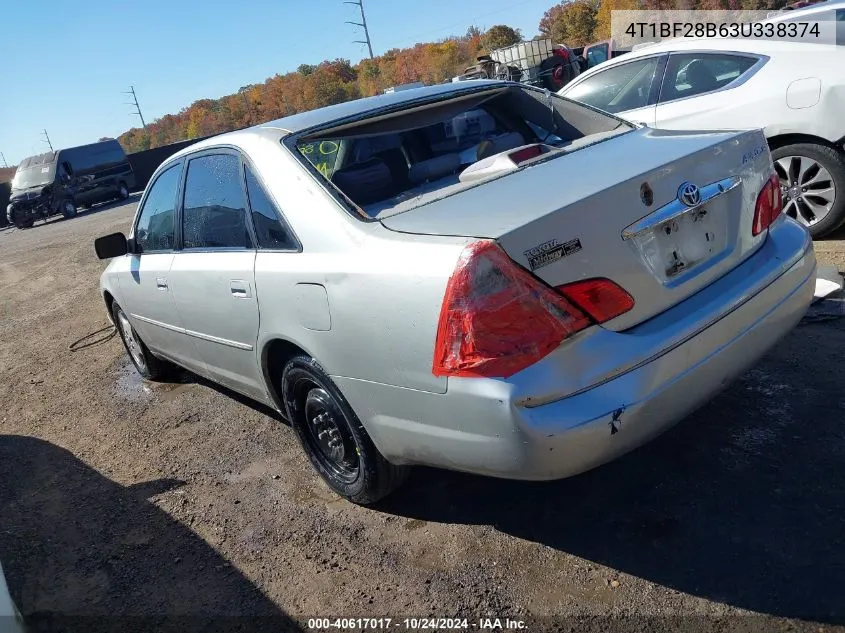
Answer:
x=131 y=386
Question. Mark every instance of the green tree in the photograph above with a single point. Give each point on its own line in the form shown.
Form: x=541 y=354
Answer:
x=305 y=69
x=500 y=36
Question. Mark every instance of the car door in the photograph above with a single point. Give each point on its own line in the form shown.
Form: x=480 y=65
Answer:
x=628 y=89
x=213 y=274
x=146 y=295
x=703 y=90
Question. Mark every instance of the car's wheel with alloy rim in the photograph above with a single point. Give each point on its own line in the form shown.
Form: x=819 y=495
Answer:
x=334 y=439
x=812 y=182
x=147 y=365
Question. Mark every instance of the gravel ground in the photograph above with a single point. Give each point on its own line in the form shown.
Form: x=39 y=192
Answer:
x=132 y=506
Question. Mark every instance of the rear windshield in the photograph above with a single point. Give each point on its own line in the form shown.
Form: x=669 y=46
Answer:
x=392 y=163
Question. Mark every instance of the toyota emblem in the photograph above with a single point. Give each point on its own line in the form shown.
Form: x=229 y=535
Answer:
x=689 y=194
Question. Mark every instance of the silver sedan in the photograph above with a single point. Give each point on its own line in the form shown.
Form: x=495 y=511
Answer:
x=479 y=276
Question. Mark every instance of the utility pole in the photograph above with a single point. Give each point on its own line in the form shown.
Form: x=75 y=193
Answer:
x=46 y=139
x=363 y=25
x=137 y=107
x=5 y=164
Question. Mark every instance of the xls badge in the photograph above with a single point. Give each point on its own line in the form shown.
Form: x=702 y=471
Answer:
x=551 y=251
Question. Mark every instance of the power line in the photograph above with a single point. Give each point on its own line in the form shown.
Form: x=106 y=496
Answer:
x=363 y=25
x=5 y=164
x=137 y=107
x=46 y=139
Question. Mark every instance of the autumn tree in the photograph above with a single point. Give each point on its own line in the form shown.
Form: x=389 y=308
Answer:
x=603 y=15
x=570 y=23
x=500 y=36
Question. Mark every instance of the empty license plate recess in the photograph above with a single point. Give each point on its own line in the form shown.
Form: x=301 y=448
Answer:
x=682 y=242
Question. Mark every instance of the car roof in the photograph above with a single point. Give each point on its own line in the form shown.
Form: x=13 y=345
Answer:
x=324 y=116
x=739 y=45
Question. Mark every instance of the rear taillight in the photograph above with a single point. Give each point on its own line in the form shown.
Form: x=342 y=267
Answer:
x=769 y=205
x=602 y=299
x=497 y=319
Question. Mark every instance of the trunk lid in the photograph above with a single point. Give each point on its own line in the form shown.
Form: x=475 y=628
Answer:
x=585 y=214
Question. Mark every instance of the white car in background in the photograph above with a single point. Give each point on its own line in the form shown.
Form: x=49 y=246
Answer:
x=10 y=618
x=794 y=91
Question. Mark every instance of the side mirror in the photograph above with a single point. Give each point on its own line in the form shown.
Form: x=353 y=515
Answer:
x=65 y=178
x=109 y=246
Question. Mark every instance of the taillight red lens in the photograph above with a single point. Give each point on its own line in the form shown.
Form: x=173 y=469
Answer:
x=769 y=205
x=600 y=298
x=497 y=319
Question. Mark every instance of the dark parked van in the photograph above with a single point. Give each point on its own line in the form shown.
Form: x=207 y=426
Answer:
x=63 y=181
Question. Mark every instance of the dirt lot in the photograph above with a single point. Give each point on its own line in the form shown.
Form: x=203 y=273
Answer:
x=123 y=503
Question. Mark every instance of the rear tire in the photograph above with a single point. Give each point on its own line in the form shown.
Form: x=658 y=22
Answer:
x=332 y=436
x=812 y=180
x=147 y=365
x=68 y=208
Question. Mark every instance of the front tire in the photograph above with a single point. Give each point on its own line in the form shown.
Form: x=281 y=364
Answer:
x=22 y=220
x=812 y=179
x=332 y=436
x=147 y=365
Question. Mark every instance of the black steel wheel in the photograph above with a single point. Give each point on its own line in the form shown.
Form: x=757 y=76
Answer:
x=336 y=443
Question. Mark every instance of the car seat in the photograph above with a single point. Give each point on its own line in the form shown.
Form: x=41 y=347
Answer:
x=700 y=77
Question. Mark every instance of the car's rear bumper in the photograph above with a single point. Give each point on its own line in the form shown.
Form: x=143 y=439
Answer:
x=520 y=428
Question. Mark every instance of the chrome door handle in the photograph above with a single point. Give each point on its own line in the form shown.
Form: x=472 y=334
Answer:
x=161 y=284
x=240 y=289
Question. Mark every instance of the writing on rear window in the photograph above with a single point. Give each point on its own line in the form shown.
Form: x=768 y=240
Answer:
x=321 y=154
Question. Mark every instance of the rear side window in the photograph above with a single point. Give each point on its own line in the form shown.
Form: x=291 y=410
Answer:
x=617 y=89
x=693 y=74
x=214 y=212
x=271 y=233
x=154 y=231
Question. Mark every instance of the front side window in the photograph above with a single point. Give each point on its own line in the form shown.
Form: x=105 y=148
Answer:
x=271 y=233
x=623 y=87
x=214 y=211
x=693 y=74
x=154 y=231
